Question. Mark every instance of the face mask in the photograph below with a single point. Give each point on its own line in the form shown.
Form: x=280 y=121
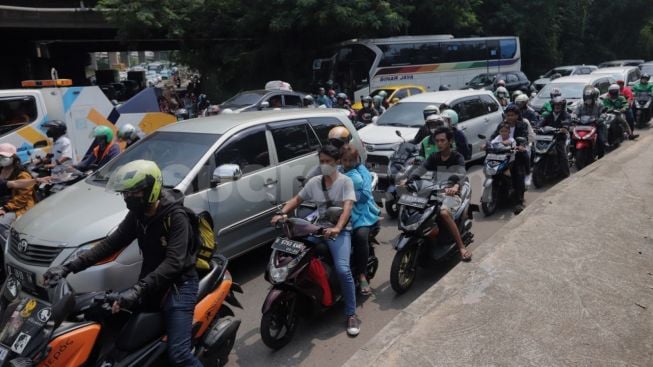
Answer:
x=327 y=169
x=6 y=161
x=136 y=205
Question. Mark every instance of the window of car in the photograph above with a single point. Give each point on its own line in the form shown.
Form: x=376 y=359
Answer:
x=414 y=91
x=291 y=100
x=633 y=76
x=248 y=149
x=400 y=93
x=512 y=78
x=469 y=108
x=584 y=71
x=293 y=139
x=522 y=76
x=275 y=101
x=322 y=126
x=16 y=111
x=489 y=104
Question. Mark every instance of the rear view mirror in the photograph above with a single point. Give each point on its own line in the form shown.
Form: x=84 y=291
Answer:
x=226 y=173
x=41 y=144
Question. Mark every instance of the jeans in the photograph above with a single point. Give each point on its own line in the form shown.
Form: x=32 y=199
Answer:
x=178 y=307
x=340 y=249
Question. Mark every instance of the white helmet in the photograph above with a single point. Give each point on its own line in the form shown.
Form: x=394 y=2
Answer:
x=502 y=92
x=127 y=131
x=521 y=100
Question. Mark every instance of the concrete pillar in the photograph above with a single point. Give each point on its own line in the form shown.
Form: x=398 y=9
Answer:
x=141 y=57
x=124 y=58
x=113 y=59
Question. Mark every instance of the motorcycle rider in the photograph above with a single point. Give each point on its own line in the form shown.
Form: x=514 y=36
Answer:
x=500 y=83
x=308 y=101
x=378 y=104
x=428 y=145
x=559 y=118
x=323 y=99
x=128 y=134
x=328 y=189
x=547 y=108
x=385 y=103
x=502 y=96
x=630 y=97
x=461 y=144
x=515 y=94
x=616 y=102
x=168 y=280
x=105 y=150
x=368 y=111
x=526 y=111
x=62 y=150
x=519 y=128
x=591 y=108
x=447 y=160
x=423 y=131
x=364 y=215
x=18 y=200
x=643 y=86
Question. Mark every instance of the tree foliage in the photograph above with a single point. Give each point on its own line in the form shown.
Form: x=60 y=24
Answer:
x=241 y=44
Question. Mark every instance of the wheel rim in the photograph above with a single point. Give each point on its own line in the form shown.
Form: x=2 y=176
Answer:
x=406 y=274
x=282 y=320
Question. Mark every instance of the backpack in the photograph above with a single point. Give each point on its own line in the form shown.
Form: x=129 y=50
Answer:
x=203 y=244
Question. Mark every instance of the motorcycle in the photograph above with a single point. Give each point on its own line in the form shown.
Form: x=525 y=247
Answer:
x=497 y=186
x=546 y=162
x=302 y=277
x=643 y=109
x=421 y=241
x=79 y=329
x=615 y=131
x=584 y=137
x=61 y=177
x=404 y=155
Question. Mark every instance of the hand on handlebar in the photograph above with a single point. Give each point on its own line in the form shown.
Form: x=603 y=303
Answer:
x=277 y=218
x=331 y=233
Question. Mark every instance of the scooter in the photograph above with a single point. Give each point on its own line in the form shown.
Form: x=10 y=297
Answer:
x=497 y=186
x=642 y=106
x=584 y=137
x=79 y=329
x=547 y=164
x=615 y=131
x=404 y=156
x=422 y=242
x=302 y=277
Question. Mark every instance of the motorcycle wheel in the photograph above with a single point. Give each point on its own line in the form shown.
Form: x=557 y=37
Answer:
x=278 y=325
x=402 y=276
x=583 y=158
x=391 y=208
x=538 y=175
x=218 y=356
x=489 y=208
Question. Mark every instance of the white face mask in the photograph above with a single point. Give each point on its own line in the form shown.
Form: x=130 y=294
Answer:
x=6 y=161
x=327 y=169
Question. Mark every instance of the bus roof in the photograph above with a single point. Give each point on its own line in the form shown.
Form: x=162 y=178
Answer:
x=422 y=38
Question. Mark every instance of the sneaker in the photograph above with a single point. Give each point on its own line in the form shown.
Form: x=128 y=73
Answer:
x=528 y=179
x=634 y=136
x=518 y=209
x=353 y=325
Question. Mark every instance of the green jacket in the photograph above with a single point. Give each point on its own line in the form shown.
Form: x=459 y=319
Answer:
x=547 y=108
x=428 y=147
x=639 y=87
x=620 y=103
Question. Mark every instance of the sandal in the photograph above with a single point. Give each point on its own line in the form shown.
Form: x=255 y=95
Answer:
x=365 y=288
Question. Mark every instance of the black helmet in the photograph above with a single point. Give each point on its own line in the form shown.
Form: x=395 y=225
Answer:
x=589 y=93
x=55 y=128
x=645 y=76
x=559 y=101
x=514 y=108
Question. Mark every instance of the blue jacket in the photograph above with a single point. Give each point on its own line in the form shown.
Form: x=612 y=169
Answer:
x=324 y=100
x=365 y=212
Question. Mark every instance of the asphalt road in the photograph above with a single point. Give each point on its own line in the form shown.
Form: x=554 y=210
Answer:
x=322 y=341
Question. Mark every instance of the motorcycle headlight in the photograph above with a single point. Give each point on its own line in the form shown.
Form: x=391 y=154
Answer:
x=278 y=275
x=85 y=247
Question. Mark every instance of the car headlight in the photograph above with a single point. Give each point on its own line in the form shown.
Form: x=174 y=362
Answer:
x=278 y=275
x=87 y=246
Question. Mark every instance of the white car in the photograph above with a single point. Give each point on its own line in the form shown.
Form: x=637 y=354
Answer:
x=571 y=88
x=629 y=74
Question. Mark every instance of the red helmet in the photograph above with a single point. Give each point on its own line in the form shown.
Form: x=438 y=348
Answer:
x=620 y=82
x=501 y=83
x=331 y=92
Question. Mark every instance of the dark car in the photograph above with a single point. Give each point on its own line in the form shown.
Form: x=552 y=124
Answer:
x=514 y=80
x=257 y=100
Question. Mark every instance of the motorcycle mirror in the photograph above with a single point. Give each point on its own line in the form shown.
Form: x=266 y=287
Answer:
x=482 y=137
x=398 y=133
x=11 y=288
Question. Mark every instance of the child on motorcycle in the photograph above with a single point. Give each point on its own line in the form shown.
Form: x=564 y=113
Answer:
x=332 y=188
x=364 y=216
x=504 y=137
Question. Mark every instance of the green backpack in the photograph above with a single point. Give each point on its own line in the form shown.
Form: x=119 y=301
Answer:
x=204 y=244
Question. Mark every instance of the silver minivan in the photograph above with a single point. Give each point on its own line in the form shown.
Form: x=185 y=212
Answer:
x=238 y=167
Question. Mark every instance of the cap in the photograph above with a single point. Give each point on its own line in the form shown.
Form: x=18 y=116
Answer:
x=7 y=150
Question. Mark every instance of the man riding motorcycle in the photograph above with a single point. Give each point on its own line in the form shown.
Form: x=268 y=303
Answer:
x=105 y=150
x=643 y=85
x=590 y=107
x=547 y=108
x=502 y=96
x=378 y=104
x=168 y=279
x=428 y=145
x=368 y=111
x=616 y=102
x=526 y=112
x=62 y=151
x=461 y=144
x=423 y=131
x=559 y=118
x=630 y=97
x=127 y=134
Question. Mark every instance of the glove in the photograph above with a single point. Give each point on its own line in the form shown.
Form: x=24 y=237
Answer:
x=55 y=274
x=128 y=298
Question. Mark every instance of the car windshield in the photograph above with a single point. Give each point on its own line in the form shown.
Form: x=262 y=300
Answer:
x=561 y=71
x=405 y=114
x=482 y=80
x=244 y=99
x=647 y=68
x=175 y=153
x=568 y=90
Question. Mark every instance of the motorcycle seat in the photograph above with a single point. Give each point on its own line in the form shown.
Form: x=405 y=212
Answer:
x=141 y=329
x=209 y=281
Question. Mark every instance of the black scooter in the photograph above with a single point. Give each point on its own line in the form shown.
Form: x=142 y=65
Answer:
x=547 y=163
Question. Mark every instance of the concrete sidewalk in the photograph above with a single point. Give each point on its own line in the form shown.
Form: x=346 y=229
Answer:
x=569 y=282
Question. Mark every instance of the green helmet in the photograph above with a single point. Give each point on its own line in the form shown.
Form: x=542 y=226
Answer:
x=135 y=176
x=453 y=116
x=103 y=131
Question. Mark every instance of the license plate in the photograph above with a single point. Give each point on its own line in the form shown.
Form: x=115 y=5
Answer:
x=414 y=201
x=544 y=137
x=496 y=157
x=288 y=246
x=26 y=278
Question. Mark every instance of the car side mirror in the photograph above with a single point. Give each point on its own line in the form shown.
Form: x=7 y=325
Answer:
x=398 y=133
x=41 y=144
x=264 y=105
x=226 y=173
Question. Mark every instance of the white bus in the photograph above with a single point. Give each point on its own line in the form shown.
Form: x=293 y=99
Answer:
x=430 y=61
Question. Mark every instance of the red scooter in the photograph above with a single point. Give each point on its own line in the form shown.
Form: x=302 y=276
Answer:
x=584 y=135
